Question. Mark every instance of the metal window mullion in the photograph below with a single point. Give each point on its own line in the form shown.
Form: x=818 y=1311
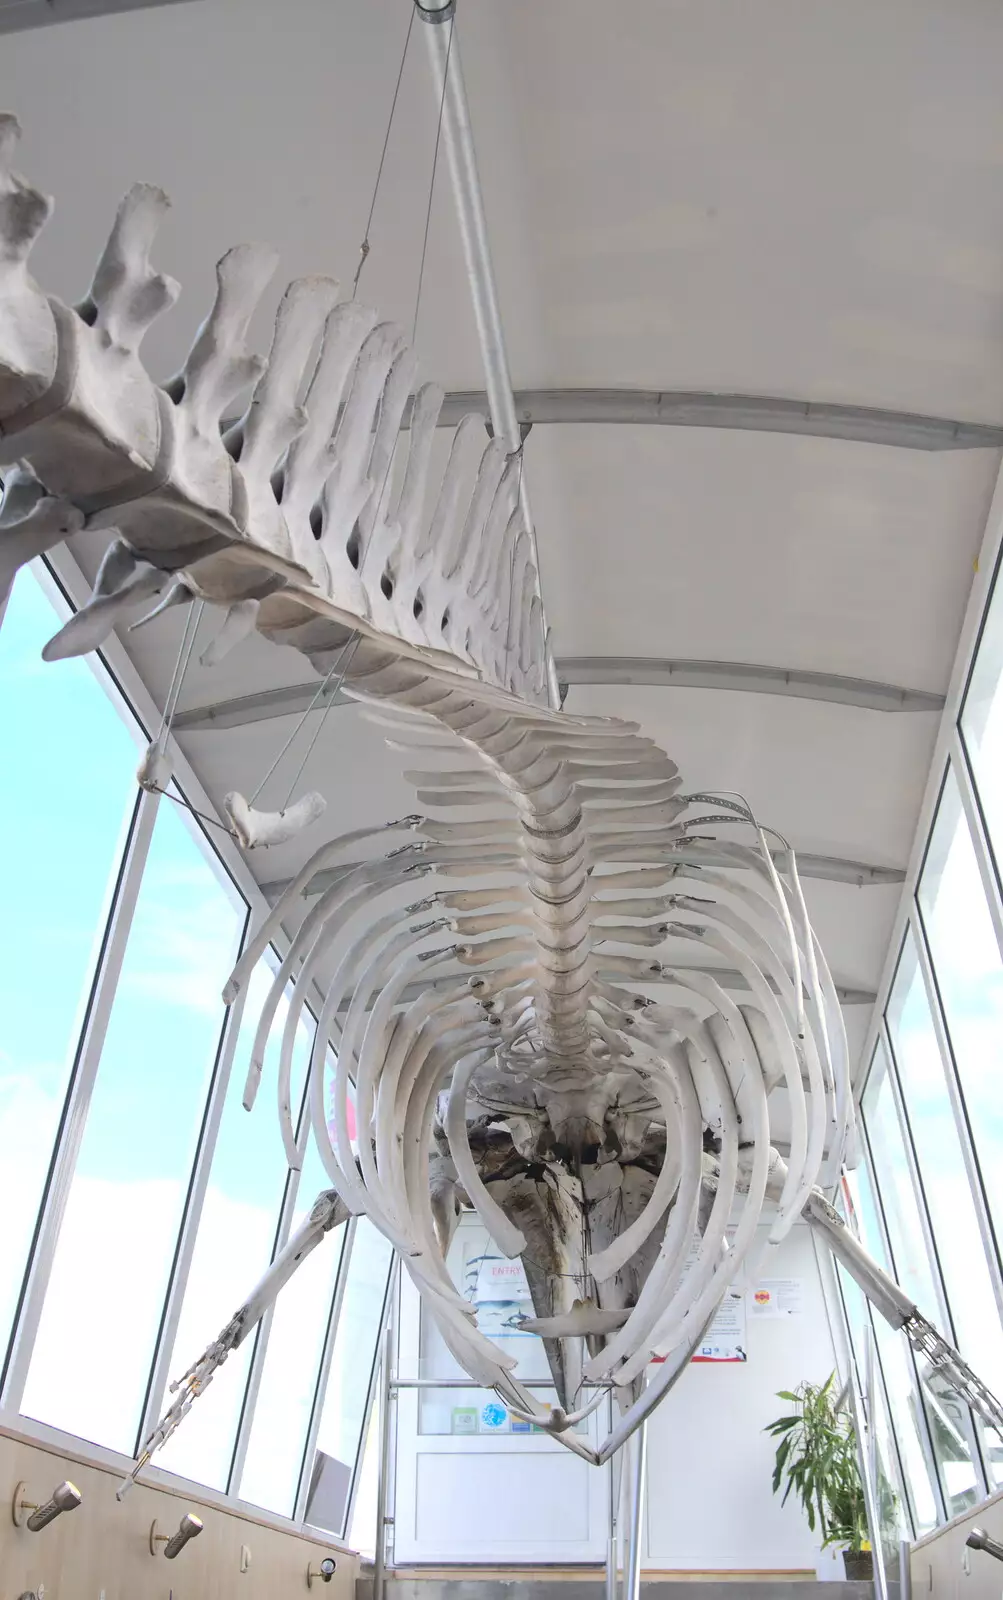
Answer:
x=386 y=1490
x=867 y=1458
x=923 y=1430
x=192 y=1218
x=897 y=1464
x=837 y=1317
x=283 y=1228
x=324 y=1372
x=393 y=1284
x=955 y=1095
x=260 y=1351
x=929 y=1238
x=831 y=1280
x=919 y=1191
x=844 y=1349
x=922 y=1416
x=287 y=1210
x=967 y=789
x=77 y=1105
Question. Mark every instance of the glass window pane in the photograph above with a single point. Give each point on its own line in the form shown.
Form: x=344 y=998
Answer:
x=969 y=977
x=982 y=720
x=896 y=1365
x=362 y=1532
x=950 y=1424
x=236 y=1235
x=99 y=1323
x=892 y=1506
x=299 y=1328
x=953 y=1217
x=59 y=870
x=355 y=1348
x=899 y=1200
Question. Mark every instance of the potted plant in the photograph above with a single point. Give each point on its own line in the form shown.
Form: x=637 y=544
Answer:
x=817 y=1459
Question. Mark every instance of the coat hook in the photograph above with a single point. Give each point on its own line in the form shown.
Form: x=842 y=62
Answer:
x=65 y=1497
x=325 y=1572
x=189 y=1528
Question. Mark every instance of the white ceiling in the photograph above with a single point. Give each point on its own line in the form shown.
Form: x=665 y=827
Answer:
x=801 y=198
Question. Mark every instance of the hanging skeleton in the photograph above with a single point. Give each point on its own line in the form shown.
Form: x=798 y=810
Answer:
x=548 y=1032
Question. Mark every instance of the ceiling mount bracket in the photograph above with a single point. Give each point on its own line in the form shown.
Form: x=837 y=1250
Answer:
x=435 y=14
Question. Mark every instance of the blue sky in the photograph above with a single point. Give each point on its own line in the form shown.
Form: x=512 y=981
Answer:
x=75 y=753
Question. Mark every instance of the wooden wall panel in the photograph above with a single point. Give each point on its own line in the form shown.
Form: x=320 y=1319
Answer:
x=101 y=1551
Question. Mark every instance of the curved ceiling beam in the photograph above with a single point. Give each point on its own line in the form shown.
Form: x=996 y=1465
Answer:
x=659 y=672
x=704 y=408
x=697 y=408
x=638 y=670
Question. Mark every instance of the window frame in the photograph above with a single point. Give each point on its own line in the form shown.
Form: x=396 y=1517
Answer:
x=949 y=751
x=62 y=580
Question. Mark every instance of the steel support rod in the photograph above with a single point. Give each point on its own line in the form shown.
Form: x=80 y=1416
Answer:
x=611 y=1537
x=862 y=1411
x=625 y=1519
x=470 y=1383
x=905 y=1570
x=632 y=1576
x=388 y=1391
x=444 y=50
x=614 y=1546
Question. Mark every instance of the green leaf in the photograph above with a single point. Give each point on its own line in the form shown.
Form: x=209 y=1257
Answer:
x=782 y=1453
x=816 y=1453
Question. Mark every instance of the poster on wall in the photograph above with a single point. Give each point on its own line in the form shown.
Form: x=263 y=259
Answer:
x=776 y=1298
x=725 y=1339
x=499 y=1290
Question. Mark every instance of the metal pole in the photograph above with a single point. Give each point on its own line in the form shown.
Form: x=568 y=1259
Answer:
x=470 y=1383
x=861 y=1422
x=625 y=1526
x=632 y=1575
x=611 y=1549
x=611 y=1516
x=442 y=41
x=905 y=1570
x=388 y=1393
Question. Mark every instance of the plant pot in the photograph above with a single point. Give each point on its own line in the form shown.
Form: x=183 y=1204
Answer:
x=858 y=1563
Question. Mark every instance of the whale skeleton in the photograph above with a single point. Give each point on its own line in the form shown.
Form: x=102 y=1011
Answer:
x=547 y=1032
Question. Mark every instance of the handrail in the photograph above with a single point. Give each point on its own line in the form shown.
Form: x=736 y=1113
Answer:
x=978 y=1539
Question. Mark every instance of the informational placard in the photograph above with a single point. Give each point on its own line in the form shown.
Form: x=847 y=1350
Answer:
x=776 y=1298
x=500 y=1279
x=499 y=1289
x=493 y=1418
x=725 y=1339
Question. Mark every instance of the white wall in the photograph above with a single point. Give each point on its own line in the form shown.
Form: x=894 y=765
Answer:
x=710 y=1504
